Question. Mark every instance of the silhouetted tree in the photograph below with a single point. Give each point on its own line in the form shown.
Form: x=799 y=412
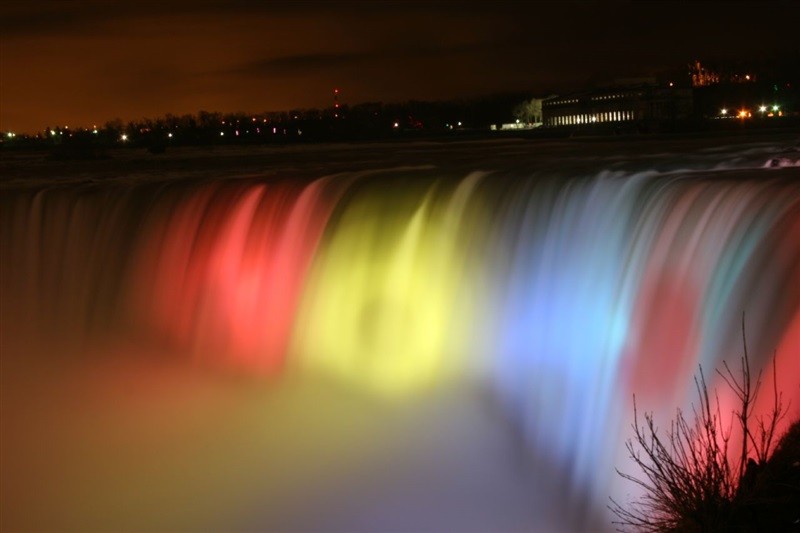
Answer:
x=689 y=479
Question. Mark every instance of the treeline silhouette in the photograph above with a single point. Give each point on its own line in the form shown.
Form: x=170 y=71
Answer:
x=365 y=121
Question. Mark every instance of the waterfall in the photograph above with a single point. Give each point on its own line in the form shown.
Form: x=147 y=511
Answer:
x=557 y=297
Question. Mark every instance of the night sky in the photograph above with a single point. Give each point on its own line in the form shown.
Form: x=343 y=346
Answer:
x=82 y=63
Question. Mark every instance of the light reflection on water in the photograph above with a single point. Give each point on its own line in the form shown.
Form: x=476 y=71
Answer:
x=395 y=349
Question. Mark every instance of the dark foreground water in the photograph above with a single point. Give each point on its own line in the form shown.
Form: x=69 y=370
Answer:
x=412 y=337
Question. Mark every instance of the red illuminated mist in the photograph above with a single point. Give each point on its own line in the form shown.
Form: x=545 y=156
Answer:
x=226 y=277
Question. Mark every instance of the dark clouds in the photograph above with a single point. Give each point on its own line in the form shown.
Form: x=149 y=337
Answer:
x=297 y=64
x=86 y=62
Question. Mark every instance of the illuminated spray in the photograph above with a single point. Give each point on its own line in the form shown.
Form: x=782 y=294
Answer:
x=561 y=297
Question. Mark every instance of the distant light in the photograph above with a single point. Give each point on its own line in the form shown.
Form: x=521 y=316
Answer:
x=762 y=108
x=169 y=135
x=396 y=124
x=747 y=77
x=222 y=134
x=774 y=108
x=517 y=121
x=671 y=84
x=94 y=131
x=459 y=123
x=723 y=111
x=10 y=135
x=124 y=137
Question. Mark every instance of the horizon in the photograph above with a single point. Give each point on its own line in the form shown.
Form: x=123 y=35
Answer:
x=81 y=64
x=103 y=124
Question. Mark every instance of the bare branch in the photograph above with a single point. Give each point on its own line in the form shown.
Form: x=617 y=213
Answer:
x=687 y=476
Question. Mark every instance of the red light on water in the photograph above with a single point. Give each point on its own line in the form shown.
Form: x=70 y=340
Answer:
x=242 y=275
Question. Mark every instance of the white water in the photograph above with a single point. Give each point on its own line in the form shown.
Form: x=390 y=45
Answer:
x=449 y=346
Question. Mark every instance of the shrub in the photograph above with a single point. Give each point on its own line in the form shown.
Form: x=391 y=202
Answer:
x=692 y=483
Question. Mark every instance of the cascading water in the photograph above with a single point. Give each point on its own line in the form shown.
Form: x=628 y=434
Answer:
x=546 y=300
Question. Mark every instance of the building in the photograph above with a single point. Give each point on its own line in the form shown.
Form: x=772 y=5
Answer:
x=649 y=104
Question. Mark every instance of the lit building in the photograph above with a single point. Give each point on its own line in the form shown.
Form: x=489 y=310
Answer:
x=704 y=76
x=616 y=105
x=701 y=76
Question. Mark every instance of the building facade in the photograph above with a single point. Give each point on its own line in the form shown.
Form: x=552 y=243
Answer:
x=618 y=105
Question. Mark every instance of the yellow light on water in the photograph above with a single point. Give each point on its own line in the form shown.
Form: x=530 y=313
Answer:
x=381 y=306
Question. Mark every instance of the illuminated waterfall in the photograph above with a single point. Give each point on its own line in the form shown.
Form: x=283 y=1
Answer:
x=386 y=303
x=224 y=276
x=561 y=297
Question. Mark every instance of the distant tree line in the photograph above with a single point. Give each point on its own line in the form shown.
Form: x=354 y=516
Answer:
x=364 y=121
